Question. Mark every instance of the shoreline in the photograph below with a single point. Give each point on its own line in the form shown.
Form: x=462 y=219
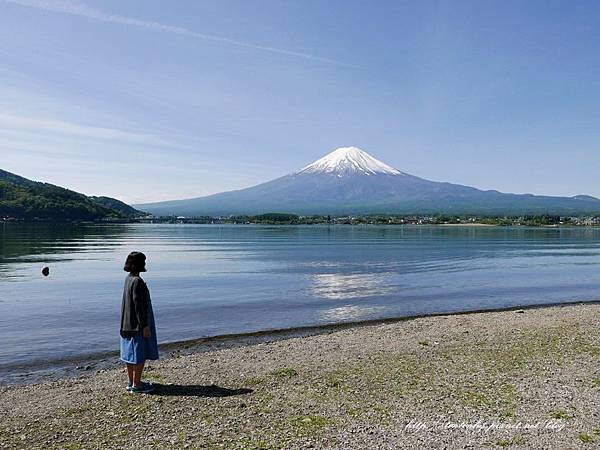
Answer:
x=267 y=224
x=529 y=376
x=89 y=364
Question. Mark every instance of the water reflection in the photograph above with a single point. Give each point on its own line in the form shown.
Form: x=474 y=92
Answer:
x=337 y=286
x=352 y=313
x=30 y=240
x=21 y=244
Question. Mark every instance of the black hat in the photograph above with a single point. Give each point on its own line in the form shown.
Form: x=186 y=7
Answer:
x=135 y=262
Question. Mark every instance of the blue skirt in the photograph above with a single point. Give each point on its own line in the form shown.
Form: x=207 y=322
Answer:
x=137 y=349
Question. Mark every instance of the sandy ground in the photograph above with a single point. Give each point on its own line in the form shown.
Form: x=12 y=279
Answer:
x=512 y=379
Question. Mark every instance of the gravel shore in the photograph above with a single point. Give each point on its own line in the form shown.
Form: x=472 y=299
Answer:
x=511 y=379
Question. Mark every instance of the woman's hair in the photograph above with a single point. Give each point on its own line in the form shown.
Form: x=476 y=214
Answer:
x=135 y=262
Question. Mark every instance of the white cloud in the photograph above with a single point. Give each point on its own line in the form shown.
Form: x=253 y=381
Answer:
x=11 y=122
x=78 y=9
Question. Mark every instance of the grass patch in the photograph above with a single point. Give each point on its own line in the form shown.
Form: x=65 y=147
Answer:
x=585 y=438
x=285 y=372
x=263 y=403
x=153 y=375
x=254 y=381
x=482 y=394
x=74 y=412
x=309 y=425
x=405 y=375
x=334 y=380
x=73 y=446
x=509 y=414
x=310 y=421
x=560 y=414
x=156 y=377
x=475 y=400
x=131 y=408
x=7 y=436
x=596 y=382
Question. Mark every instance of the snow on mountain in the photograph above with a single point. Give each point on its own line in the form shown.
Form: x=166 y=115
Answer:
x=349 y=160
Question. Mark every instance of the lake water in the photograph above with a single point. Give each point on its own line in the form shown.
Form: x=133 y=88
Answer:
x=208 y=280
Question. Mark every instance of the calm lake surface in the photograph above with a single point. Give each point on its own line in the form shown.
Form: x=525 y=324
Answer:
x=216 y=279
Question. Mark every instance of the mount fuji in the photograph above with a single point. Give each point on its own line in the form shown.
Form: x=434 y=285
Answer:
x=350 y=181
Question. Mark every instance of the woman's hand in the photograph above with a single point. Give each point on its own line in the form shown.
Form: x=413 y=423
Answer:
x=147 y=332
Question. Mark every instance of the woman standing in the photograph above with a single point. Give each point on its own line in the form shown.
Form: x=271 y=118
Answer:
x=138 y=332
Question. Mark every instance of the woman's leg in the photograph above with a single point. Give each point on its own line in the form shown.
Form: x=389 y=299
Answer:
x=137 y=374
x=130 y=369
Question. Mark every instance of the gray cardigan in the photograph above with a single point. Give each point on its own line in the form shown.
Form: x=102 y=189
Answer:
x=134 y=308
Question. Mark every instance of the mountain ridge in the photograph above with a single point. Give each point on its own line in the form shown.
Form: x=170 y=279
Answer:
x=25 y=199
x=350 y=181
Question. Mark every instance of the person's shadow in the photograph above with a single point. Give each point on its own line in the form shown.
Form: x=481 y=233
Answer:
x=196 y=390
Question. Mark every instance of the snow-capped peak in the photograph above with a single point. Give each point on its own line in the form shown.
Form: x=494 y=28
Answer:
x=346 y=160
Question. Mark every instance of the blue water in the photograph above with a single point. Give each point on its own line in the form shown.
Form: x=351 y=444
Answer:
x=208 y=280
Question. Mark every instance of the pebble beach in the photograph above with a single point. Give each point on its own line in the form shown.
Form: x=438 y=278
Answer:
x=525 y=378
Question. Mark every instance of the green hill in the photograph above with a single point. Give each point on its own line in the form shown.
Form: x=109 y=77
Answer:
x=25 y=199
x=113 y=203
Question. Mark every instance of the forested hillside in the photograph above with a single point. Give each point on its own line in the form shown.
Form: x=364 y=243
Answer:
x=25 y=199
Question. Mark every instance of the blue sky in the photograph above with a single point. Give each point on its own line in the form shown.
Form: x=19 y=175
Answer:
x=151 y=100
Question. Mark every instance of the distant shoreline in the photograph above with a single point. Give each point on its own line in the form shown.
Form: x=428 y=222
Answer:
x=192 y=222
x=467 y=225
